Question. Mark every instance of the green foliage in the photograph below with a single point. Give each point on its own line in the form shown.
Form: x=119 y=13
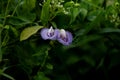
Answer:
x=41 y=76
x=93 y=54
x=45 y=12
x=27 y=32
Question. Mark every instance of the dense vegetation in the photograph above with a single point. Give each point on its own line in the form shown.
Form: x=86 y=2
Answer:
x=90 y=51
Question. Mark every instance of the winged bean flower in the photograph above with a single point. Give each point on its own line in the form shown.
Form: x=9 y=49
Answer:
x=65 y=37
x=49 y=33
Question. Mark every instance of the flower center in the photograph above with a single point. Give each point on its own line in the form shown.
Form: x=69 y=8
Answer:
x=50 y=32
x=63 y=35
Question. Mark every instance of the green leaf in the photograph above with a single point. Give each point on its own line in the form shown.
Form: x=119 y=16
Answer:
x=1 y=26
x=1 y=71
x=19 y=20
x=114 y=58
x=41 y=76
x=45 y=12
x=69 y=4
x=74 y=13
x=14 y=30
x=72 y=59
x=27 y=32
x=25 y=6
x=29 y=3
x=87 y=39
x=95 y=23
x=109 y=30
x=89 y=60
x=101 y=63
x=93 y=15
x=83 y=13
x=8 y=76
x=49 y=66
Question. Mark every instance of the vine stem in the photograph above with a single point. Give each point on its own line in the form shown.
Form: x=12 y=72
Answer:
x=1 y=29
x=46 y=55
x=0 y=45
x=6 y=13
x=15 y=8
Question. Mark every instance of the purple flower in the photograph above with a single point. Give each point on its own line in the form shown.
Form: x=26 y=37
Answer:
x=49 y=33
x=65 y=37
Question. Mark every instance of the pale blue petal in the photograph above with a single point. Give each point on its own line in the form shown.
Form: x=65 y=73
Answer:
x=69 y=36
x=43 y=33
x=54 y=37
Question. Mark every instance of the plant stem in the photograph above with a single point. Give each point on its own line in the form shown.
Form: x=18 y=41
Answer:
x=6 y=13
x=15 y=8
x=44 y=60
x=1 y=29
x=0 y=46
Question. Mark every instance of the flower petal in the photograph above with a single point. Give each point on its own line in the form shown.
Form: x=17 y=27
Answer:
x=69 y=37
x=43 y=33
x=54 y=37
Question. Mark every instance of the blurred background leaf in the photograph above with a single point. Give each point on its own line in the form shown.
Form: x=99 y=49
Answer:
x=45 y=12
